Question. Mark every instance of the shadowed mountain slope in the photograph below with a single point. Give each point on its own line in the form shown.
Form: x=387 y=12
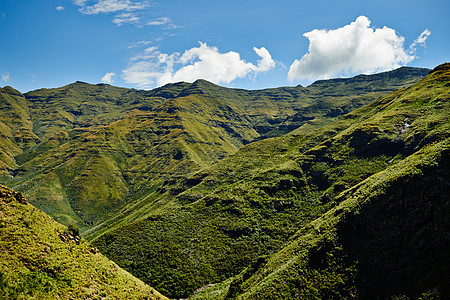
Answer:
x=42 y=259
x=387 y=238
x=250 y=205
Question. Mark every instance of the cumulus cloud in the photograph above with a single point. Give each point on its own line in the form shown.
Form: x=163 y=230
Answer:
x=5 y=77
x=108 y=78
x=204 y=62
x=352 y=49
x=59 y=8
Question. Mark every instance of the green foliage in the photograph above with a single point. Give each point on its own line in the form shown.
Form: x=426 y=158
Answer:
x=73 y=230
x=166 y=183
x=251 y=204
x=35 y=283
x=39 y=261
x=102 y=150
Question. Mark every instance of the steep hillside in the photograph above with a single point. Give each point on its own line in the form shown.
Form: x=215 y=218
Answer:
x=336 y=97
x=387 y=237
x=104 y=151
x=16 y=128
x=42 y=259
x=250 y=204
x=92 y=171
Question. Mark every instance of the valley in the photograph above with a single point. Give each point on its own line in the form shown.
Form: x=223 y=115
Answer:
x=337 y=190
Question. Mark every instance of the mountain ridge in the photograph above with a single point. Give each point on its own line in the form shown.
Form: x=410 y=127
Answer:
x=251 y=203
x=132 y=134
x=214 y=193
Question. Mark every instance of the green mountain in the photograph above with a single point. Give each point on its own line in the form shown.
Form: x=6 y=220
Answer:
x=104 y=151
x=42 y=259
x=16 y=128
x=246 y=194
x=285 y=217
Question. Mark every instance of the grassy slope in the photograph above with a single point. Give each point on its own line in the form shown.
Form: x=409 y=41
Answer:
x=42 y=259
x=83 y=105
x=102 y=151
x=15 y=128
x=264 y=110
x=250 y=204
x=386 y=236
x=100 y=168
x=336 y=97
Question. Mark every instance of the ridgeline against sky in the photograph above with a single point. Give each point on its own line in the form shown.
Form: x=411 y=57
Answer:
x=247 y=44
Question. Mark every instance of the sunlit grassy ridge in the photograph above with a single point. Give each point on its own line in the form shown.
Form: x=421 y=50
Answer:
x=42 y=259
x=249 y=205
x=16 y=128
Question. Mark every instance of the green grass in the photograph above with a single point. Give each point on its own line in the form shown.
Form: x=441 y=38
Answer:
x=42 y=259
x=15 y=128
x=383 y=237
x=167 y=184
x=379 y=226
x=250 y=204
x=102 y=150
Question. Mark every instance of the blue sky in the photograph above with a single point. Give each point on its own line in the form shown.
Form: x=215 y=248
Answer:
x=242 y=44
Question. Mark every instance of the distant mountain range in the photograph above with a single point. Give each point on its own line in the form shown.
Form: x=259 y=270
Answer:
x=335 y=190
x=99 y=147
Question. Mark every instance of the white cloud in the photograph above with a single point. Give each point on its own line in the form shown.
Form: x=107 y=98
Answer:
x=79 y=2
x=5 y=77
x=109 y=6
x=108 y=78
x=125 y=10
x=138 y=44
x=59 y=8
x=352 y=49
x=159 y=21
x=420 y=41
x=125 y=18
x=204 y=62
x=165 y=22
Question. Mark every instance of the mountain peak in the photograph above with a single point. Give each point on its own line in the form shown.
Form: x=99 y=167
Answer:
x=9 y=90
x=442 y=67
x=203 y=82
